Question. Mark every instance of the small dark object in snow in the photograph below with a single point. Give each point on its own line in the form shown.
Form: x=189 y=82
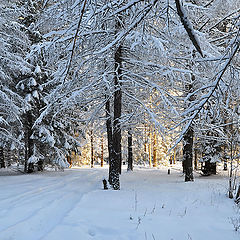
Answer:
x=105 y=187
x=168 y=172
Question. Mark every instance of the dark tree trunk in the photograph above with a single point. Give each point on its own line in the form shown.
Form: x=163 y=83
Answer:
x=184 y=165
x=117 y=105
x=102 y=150
x=113 y=127
x=225 y=165
x=210 y=168
x=225 y=158
x=238 y=195
x=155 y=164
x=2 y=160
x=188 y=155
x=195 y=160
x=188 y=140
x=92 y=155
x=29 y=167
x=10 y=157
x=109 y=139
x=116 y=161
x=40 y=165
x=130 y=152
x=25 y=153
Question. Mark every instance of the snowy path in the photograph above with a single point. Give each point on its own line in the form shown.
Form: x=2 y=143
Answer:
x=33 y=205
x=152 y=205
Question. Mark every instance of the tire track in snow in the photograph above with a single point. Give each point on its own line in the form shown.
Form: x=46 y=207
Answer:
x=66 y=213
x=42 y=181
x=24 y=197
x=41 y=221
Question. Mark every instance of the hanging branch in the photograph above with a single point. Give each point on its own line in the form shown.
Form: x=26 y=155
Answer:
x=188 y=27
x=75 y=39
x=206 y=98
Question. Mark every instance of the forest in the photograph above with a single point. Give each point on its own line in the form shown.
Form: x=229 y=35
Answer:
x=120 y=82
x=140 y=96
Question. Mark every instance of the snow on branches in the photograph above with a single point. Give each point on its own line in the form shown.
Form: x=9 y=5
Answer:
x=188 y=27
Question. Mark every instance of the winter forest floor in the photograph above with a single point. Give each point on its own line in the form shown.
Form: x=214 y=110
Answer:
x=151 y=205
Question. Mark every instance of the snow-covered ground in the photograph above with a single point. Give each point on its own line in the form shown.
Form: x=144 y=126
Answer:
x=151 y=205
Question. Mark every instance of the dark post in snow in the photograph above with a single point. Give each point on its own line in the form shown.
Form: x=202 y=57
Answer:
x=130 y=152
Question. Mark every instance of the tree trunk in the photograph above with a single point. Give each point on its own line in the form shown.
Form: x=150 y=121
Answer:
x=40 y=165
x=238 y=194
x=130 y=152
x=174 y=156
x=102 y=152
x=225 y=165
x=225 y=159
x=188 y=155
x=9 y=157
x=149 y=148
x=231 y=180
x=109 y=139
x=92 y=155
x=210 y=168
x=115 y=154
x=188 y=141
x=195 y=160
x=145 y=139
x=116 y=163
x=117 y=110
x=29 y=167
x=155 y=164
x=184 y=164
x=2 y=162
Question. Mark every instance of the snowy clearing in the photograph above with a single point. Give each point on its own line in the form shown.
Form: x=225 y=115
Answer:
x=150 y=205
